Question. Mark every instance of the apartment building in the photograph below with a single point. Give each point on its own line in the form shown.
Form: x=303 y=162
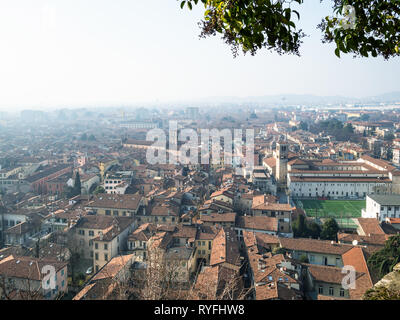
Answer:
x=25 y=277
x=382 y=206
x=117 y=205
x=91 y=227
x=111 y=243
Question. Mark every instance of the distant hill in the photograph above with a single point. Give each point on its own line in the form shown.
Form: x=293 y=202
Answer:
x=303 y=99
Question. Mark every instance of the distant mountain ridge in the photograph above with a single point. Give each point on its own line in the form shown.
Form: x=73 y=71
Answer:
x=305 y=99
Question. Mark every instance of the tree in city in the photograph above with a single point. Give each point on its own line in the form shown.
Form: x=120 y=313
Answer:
x=305 y=229
x=20 y=289
x=304 y=259
x=359 y=27
x=382 y=262
x=99 y=189
x=365 y=117
x=389 y=137
x=156 y=281
x=77 y=184
x=330 y=228
x=381 y=293
x=73 y=252
x=303 y=126
x=71 y=192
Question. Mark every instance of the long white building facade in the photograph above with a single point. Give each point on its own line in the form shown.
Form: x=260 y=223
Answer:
x=342 y=179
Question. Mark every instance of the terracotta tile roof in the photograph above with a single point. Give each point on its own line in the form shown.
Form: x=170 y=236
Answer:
x=27 y=267
x=339 y=179
x=211 y=282
x=273 y=206
x=270 y=162
x=382 y=163
x=95 y=222
x=207 y=281
x=260 y=199
x=394 y=220
x=356 y=258
x=225 y=248
x=143 y=232
x=219 y=217
x=206 y=232
x=20 y=228
x=116 y=201
x=257 y=223
x=113 y=267
x=161 y=240
x=120 y=224
x=276 y=291
x=183 y=231
x=249 y=239
x=369 y=226
x=326 y=274
x=163 y=209
x=266 y=239
x=224 y=192
x=373 y=239
x=313 y=245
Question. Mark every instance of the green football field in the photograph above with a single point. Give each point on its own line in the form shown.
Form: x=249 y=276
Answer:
x=332 y=208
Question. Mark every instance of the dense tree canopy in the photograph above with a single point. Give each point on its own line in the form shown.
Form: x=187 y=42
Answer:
x=330 y=228
x=305 y=229
x=361 y=27
x=383 y=261
x=335 y=128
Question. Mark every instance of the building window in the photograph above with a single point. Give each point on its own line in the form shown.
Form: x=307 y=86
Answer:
x=106 y=256
x=331 y=291
x=108 y=212
x=342 y=292
x=321 y=290
x=91 y=233
x=96 y=256
x=105 y=246
x=96 y=245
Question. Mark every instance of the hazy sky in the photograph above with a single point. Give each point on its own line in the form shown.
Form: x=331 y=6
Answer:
x=86 y=52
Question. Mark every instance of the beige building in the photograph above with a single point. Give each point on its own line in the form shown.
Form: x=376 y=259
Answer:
x=117 y=205
x=91 y=227
x=112 y=243
x=25 y=278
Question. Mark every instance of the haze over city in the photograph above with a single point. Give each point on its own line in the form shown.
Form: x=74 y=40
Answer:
x=97 y=52
x=139 y=162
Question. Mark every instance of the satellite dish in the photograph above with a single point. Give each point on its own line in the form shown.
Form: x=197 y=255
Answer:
x=355 y=242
